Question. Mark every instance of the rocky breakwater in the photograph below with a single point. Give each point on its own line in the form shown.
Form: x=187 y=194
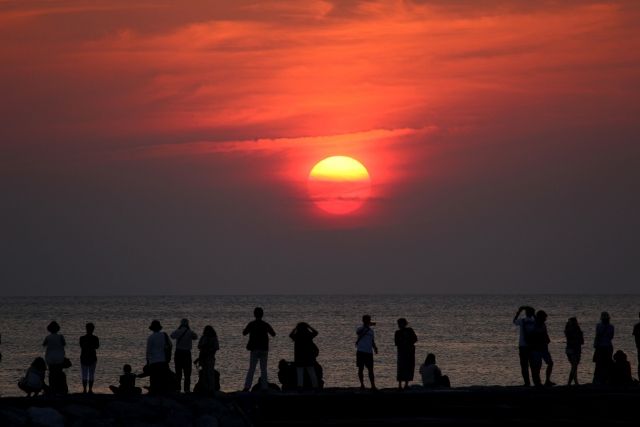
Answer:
x=112 y=411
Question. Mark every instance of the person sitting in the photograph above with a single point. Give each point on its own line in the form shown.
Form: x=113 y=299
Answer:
x=127 y=383
x=432 y=375
x=33 y=381
x=620 y=374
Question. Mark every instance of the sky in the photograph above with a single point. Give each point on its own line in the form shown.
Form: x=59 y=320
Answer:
x=164 y=147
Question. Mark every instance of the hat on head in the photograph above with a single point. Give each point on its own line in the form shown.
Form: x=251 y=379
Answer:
x=155 y=326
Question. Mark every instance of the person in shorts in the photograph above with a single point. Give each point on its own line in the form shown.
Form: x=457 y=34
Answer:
x=539 y=344
x=366 y=346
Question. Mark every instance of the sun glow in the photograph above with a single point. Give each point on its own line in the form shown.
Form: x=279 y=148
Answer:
x=339 y=184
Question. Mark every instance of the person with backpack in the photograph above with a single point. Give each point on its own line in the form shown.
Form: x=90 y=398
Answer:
x=159 y=349
x=54 y=345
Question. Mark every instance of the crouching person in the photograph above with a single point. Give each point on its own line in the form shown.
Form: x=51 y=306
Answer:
x=33 y=381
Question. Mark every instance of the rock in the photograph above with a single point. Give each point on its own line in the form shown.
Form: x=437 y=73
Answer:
x=163 y=403
x=106 y=422
x=45 y=417
x=232 y=421
x=81 y=411
x=210 y=407
x=179 y=419
x=10 y=417
x=207 y=421
x=132 y=411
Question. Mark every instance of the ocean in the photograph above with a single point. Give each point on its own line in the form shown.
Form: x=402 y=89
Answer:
x=472 y=335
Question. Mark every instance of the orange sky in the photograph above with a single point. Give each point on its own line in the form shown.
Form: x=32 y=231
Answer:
x=430 y=95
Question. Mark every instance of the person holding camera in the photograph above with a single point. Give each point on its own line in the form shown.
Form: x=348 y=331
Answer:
x=525 y=325
x=184 y=337
x=305 y=353
x=366 y=346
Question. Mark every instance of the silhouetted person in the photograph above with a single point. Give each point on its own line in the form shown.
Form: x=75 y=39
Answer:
x=208 y=346
x=636 y=334
x=33 y=381
x=603 y=345
x=305 y=353
x=184 y=337
x=54 y=355
x=431 y=373
x=525 y=326
x=89 y=343
x=127 y=385
x=538 y=342
x=366 y=346
x=158 y=355
x=575 y=339
x=620 y=373
x=258 y=331
x=405 y=339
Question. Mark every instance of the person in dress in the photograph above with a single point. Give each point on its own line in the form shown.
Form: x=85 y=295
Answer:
x=365 y=347
x=54 y=355
x=575 y=340
x=305 y=352
x=208 y=346
x=258 y=331
x=89 y=345
x=603 y=345
x=405 y=340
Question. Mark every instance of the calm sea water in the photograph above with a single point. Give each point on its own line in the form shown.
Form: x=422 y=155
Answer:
x=472 y=336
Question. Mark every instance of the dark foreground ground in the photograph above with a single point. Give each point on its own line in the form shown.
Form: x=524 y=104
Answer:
x=336 y=407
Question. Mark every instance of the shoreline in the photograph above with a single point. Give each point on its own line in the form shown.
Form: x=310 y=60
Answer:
x=495 y=405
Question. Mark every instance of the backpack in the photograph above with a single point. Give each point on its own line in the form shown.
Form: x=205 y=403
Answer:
x=168 y=347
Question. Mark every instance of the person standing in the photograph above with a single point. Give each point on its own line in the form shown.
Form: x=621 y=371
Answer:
x=305 y=352
x=539 y=344
x=636 y=334
x=54 y=355
x=208 y=346
x=525 y=326
x=184 y=337
x=603 y=345
x=158 y=354
x=366 y=346
x=258 y=331
x=575 y=339
x=405 y=340
x=89 y=343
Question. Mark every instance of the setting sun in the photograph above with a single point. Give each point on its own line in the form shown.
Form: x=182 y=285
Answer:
x=339 y=184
